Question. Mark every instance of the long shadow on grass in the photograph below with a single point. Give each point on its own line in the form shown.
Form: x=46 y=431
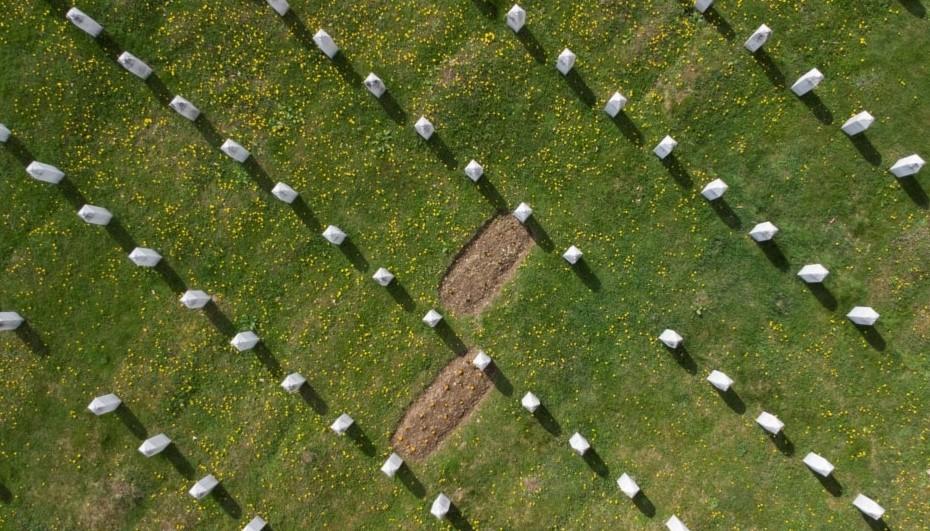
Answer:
x=268 y=360
x=580 y=88
x=532 y=45
x=219 y=319
x=866 y=149
x=644 y=504
x=226 y=502
x=586 y=274
x=772 y=251
x=5 y=495
x=131 y=421
x=539 y=234
x=450 y=338
x=208 y=132
x=489 y=191
x=914 y=191
x=71 y=193
x=487 y=7
x=500 y=380
x=823 y=295
x=32 y=339
x=109 y=46
x=713 y=17
x=830 y=484
x=400 y=295
x=158 y=88
x=726 y=214
x=170 y=276
x=782 y=442
x=392 y=108
x=119 y=234
x=872 y=336
x=306 y=215
x=313 y=399
x=628 y=128
x=595 y=463
x=914 y=7
x=457 y=519
x=360 y=439
x=258 y=174
x=58 y=5
x=771 y=70
x=813 y=102
x=683 y=358
x=442 y=151
x=19 y=150
x=354 y=255
x=678 y=171
x=178 y=461
x=875 y=525
x=546 y=420
x=732 y=400
x=410 y=481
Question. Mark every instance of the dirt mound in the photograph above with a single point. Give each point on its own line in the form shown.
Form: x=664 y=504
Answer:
x=484 y=265
x=445 y=403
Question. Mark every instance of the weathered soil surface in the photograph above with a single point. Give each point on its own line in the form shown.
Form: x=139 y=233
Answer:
x=484 y=265
x=445 y=403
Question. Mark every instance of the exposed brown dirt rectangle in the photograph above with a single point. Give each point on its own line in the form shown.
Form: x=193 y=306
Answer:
x=443 y=405
x=484 y=265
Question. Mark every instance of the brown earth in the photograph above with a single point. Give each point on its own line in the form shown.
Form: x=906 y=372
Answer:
x=443 y=406
x=484 y=265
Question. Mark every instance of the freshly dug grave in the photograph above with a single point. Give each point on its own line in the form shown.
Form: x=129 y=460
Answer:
x=484 y=265
x=442 y=406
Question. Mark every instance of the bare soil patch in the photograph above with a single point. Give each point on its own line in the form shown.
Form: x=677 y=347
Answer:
x=444 y=405
x=484 y=265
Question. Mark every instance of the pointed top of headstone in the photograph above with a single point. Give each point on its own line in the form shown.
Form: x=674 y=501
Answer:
x=702 y=5
x=474 y=171
x=280 y=7
x=432 y=318
x=565 y=62
x=720 y=380
x=46 y=173
x=758 y=38
x=615 y=104
x=579 y=444
x=516 y=18
x=770 y=423
x=195 y=299
x=375 y=85
x=134 y=65
x=863 y=315
x=858 y=123
x=4 y=133
x=530 y=402
x=523 y=212
x=813 y=273
x=326 y=44
x=763 y=232
x=869 y=507
x=383 y=277
x=244 y=341
x=424 y=128
x=154 y=445
x=440 y=507
x=185 y=108
x=256 y=524
x=392 y=465
x=95 y=215
x=714 y=190
x=10 y=321
x=203 y=487
x=145 y=257
x=292 y=382
x=807 y=82
x=665 y=147
x=104 y=404
x=334 y=235
x=284 y=193
x=628 y=486
x=81 y=20
x=674 y=524
x=342 y=424
x=671 y=338
x=818 y=464
x=907 y=166
x=234 y=150
x=572 y=255
x=481 y=360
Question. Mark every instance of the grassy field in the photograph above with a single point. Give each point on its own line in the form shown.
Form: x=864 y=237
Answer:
x=659 y=256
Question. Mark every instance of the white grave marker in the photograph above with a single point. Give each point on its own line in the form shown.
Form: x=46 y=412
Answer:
x=194 y=299
x=244 y=341
x=530 y=402
x=474 y=171
x=702 y=5
x=185 y=108
x=763 y=232
x=858 y=123
x=818 y=464
x=95 y=215
x=292 y=382
x=516 y=18
x=572 y=255
x=10 y=321
x=758 y=38
x=432 y=318
x=284 y=193
x=134 y=65
x=665 y=147
x=145 y=257
x=327 y=45
x=715 y=190
x=770 y=423
x=256 y=524
x=203 y=487
x=481 y=361
x=334 y=235
x=154 y=445
x=383 y=277
x=579 y=444
x=375 y=85
x=628 y=486
x=565 y=62
x=671 y=338
x=46 y=173
x=392 y=465
x=104 y=404
x=615 y=104
x=4 y=133
x=84 y=22
x=342 y=424
x=674 y=524
x=869 y=507
x=813 y=273
x=424 y=128
x=863 y=315
x=720 y=380
x=523 y=212
x=280 y=6
x=441 y=506
x=807 y=82
x=234 y=150
x=905 y=167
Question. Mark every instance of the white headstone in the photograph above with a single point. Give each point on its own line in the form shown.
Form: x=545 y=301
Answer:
x=858 y=123
x=383 y=277
x=758 y=38
x=813 y=273
x=481 y=360
x=4 y=133
x=807 y=82
x=763 y=232
x=579 y=444
x=818 y=464
x=235 y=150
x=134 y=65
x=516 y=18
x=256 y=524
x=523 y=212
x=327 y=45
x=95 y=215
x=280 y=6
x=185 y=108
x=432 y=318
x=665 y=147
x=154 y=445
x=84 y=22
x=392 y=465
x=674 y=524
x=863 y=315
x=440 y=507
x=869 y=507
x=194 y=299
x=284 y=193
x=145 y=257
x=474 y=171
x=572 y=255
x=46 y=173
x=375 y=85
x=202 y=488
x=615 y=104
x=702 y=5
x=565 y=62
x=104 y=404
x=904 y=167
x=10 y=321
x=292 y=382
x=671 y=338
x=628 y=486
x=424 y=128
x=244 y=341
x=342 y=424
x=720 y=380
x=334 y=235
x=770 y=423
x=530 y=402
x=715 y=190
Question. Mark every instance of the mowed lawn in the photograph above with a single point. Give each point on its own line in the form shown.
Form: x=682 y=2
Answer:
x=659 y=257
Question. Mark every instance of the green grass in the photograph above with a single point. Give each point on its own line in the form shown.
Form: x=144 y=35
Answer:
x=662 y=256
